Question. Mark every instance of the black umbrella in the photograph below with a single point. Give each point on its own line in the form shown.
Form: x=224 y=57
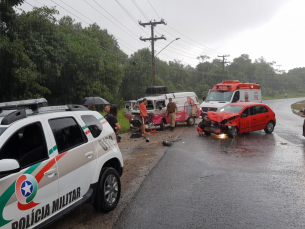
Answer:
x=93 y=101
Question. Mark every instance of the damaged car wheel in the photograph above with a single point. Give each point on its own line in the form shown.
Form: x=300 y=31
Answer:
x=232 y=133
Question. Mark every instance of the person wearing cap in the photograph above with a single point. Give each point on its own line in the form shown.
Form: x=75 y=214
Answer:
x=143 y=115
x=171 y=108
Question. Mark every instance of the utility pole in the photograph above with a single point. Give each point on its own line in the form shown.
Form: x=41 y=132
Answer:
x=272 y=79
x=279 y=70
x=224 y=62
x=153 y=39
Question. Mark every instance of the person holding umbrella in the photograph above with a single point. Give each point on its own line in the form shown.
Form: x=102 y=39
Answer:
x=91 y=107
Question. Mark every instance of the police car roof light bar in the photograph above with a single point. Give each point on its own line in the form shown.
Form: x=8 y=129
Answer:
x=31 y=103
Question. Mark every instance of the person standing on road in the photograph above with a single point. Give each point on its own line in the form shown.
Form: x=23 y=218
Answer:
x=172 y=110
x=143 y=115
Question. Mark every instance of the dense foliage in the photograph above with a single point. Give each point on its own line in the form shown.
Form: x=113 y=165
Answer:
x=64 y=62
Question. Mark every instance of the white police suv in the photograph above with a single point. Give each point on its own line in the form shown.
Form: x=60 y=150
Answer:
x=53 y=159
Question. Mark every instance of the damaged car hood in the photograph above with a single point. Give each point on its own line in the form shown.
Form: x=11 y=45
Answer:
x=219 y=117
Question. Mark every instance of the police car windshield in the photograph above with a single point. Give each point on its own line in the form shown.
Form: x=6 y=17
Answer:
x=2 y=129
x=230 y=108
x=223 y=96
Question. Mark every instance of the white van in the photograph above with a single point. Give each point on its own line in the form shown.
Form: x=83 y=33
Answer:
x=128 y=108
x=187 y=104
x=230 y=91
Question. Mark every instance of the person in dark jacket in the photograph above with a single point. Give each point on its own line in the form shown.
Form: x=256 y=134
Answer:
x=112 y=120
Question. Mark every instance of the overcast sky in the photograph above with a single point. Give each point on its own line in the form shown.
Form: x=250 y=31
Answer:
x=273 y=29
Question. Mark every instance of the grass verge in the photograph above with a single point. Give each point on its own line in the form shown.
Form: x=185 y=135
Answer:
x=292 y=95
x=124 y=122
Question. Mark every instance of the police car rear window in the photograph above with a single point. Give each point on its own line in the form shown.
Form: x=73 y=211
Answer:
x=2 y=129
x=67 y=133
x=93 y=125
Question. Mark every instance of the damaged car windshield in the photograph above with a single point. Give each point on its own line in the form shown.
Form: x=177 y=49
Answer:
x=230 y=108
x=224 y=96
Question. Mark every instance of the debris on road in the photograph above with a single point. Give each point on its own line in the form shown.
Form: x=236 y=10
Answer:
x=167 y=143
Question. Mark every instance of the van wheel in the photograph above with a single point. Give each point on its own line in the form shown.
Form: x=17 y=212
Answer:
x=108 y=191
x=269 y=128
x=162 y=125
x=232 y=133
x=190 y=121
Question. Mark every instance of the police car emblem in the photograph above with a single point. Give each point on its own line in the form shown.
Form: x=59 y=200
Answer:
x=26 y=188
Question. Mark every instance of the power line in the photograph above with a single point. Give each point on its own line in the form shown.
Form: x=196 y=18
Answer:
x=91 y=21
x=77 y=11
x=111 y=21
x=70 y=12
x=153 y=9
x=130 y=15
x=184 y=51
x=209 y=51
x=194 y=40
x=139 y=8
x=81 y=35
x=116 y=19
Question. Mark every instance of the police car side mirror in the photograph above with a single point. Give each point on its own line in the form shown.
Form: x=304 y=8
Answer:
x=203 y=98
x=8 y=166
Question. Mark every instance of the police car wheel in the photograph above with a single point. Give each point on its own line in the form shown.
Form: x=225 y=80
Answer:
x=109 y=191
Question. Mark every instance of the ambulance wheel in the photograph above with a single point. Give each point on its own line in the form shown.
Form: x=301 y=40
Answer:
x=108 y=191
x=190 y=121
x=232 y=133
x=162 y=125
x=207 y=133
x=269 y=128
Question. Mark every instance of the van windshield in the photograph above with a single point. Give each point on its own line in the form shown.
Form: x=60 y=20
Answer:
x=127 y=105
x=149 y=105
x=223 y=96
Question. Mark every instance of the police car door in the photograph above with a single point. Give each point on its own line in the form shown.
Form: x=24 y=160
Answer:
x=26 y=196
x=76 y=167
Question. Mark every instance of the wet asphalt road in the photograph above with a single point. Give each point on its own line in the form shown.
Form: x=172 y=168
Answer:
x=252 y=181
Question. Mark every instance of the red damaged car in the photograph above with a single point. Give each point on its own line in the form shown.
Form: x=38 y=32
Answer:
x=234 y=118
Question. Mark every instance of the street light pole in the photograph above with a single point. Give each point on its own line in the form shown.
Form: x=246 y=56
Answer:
x=167 y=45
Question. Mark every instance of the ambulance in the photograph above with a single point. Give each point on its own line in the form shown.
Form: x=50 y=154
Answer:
x=230 y=91
x=187 y=104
